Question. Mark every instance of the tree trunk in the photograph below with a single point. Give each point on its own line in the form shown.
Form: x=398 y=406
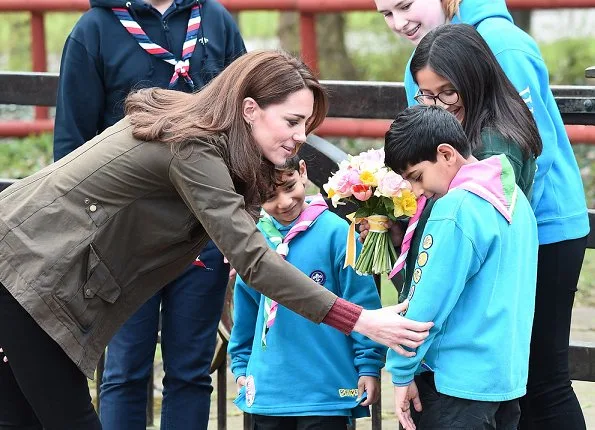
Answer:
x=522 y=19
x=333 y=59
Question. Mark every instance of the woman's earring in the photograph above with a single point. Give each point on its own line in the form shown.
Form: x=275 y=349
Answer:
x=250 y=125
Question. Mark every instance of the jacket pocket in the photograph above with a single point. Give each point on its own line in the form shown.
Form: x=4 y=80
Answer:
x=96 y=212
x=93 y=295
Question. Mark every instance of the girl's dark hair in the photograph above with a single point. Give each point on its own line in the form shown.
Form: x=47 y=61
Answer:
x=214 y=115
x=458 y=53
x=415 y=134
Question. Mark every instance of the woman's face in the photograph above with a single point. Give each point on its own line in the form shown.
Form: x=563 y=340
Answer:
x=412 y=19
x=440 y=91
x=280 y=129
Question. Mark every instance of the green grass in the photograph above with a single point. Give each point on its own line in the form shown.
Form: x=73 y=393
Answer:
x=259 y=24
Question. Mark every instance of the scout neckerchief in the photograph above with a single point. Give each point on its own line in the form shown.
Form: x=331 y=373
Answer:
x=491 y=179
x=181 y=67
x=411 y=225
x=316 y=207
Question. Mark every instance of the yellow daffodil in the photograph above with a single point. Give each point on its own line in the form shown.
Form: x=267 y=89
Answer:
x=408 y=202
x=368 y=178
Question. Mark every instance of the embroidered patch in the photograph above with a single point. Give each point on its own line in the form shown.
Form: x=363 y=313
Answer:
x=199 y=263
x=428 y=241
x=318 y=276
x=411 y=292
x=422 y=259
x=417 y=275
x=250 y=390
x=348 y=392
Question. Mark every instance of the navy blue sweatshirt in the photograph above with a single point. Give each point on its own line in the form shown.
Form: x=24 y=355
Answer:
x=102 y=62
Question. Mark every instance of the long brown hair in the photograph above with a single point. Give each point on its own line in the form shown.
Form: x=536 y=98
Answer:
x=214 y=115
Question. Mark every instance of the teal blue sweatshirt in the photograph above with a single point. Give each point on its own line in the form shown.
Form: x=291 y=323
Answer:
x=558 y=197
x=475 y=278
x=305 y=369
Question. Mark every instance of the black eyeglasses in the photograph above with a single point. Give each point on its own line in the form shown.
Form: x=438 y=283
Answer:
x=447 y=97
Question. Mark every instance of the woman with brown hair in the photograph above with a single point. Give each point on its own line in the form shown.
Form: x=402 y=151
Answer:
x=85 y=241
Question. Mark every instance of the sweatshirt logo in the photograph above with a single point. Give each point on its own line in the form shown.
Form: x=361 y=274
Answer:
x=318 y=276
x=348 y=392
x=203 y=40
x=526 y=96
x=250 y=390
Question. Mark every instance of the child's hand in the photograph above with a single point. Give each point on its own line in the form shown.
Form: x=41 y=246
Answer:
x=403 y=397
x=240 y=382
x=4 y=357
x=232 y=271
x=371 y=385
x=395 y=229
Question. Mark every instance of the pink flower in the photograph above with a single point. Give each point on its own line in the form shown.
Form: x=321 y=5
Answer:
x=345 y=180
x=361 y=192
x=391 y=184
x=373 y=156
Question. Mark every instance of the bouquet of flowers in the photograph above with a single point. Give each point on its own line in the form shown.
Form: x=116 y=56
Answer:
x=380 y=194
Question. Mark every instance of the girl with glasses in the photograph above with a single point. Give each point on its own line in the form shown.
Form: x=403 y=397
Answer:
x=557 y=197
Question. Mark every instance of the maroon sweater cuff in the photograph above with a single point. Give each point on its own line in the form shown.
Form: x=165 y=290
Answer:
x=343 y=315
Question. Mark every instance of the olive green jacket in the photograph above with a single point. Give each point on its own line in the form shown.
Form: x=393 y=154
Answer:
x=87 y=240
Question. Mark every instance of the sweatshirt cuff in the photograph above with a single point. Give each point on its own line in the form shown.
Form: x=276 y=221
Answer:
x=368 y=370
x=239 y=374
x=402 y=380
x=343 y=315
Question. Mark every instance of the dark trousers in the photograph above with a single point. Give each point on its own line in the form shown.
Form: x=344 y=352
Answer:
x=40 y=387
x=265 y=422
x=550 y=402
x=190 y=309
x=443 y=412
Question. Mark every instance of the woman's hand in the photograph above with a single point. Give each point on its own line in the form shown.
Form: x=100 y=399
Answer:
x=387 y=327
x=395 y=229
x=232 y=271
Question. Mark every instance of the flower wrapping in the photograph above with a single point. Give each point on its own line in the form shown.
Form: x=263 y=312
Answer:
x=380 y=195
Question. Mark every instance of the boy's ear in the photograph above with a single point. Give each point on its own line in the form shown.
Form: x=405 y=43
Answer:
x=303 y=171
x=249 y=109
x=447 y=152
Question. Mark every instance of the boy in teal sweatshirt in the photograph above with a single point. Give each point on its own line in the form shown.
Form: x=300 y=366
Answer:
x=474 y=277
x=292 y=373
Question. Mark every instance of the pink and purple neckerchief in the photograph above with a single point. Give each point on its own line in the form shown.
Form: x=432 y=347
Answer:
x=181 y=67
x=491 y=179
x=411 y=225
x=315 y=208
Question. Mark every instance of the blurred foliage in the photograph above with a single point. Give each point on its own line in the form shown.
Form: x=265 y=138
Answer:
x=567 y=60
x=21 y=157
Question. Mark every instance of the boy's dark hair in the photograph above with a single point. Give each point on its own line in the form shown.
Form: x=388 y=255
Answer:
x=291 y=165
x=458 y=53
x=417 y=131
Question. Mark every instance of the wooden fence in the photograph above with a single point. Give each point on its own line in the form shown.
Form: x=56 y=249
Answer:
x=365 y=100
